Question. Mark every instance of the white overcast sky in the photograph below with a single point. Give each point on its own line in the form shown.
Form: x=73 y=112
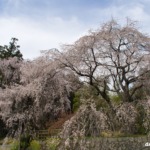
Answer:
x=45 y=24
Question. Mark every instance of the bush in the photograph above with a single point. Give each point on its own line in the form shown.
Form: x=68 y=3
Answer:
x=76 y=102
x=140 y=120
x=3 y=129
x=34 y=145
x=15 y=145
x=87 y=92
x=115 y=99
x=25 y=141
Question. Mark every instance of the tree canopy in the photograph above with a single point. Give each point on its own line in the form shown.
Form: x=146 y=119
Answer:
x=111 y=59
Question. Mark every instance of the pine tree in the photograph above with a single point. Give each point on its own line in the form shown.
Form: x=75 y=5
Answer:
x=10 y=59
x=11 y=50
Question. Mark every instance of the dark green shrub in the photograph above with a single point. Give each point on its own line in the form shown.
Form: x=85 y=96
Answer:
x=140 y=120
x=3 y=129
x=25 y=141
x=115 y=99
x=88 y=92
x=76 y=102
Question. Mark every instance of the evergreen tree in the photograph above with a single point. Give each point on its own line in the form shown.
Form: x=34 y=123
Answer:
x=10 y=60
x=11 y=50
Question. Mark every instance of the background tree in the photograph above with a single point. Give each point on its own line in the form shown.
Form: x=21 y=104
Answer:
x=10 y=61
x=11 y=50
